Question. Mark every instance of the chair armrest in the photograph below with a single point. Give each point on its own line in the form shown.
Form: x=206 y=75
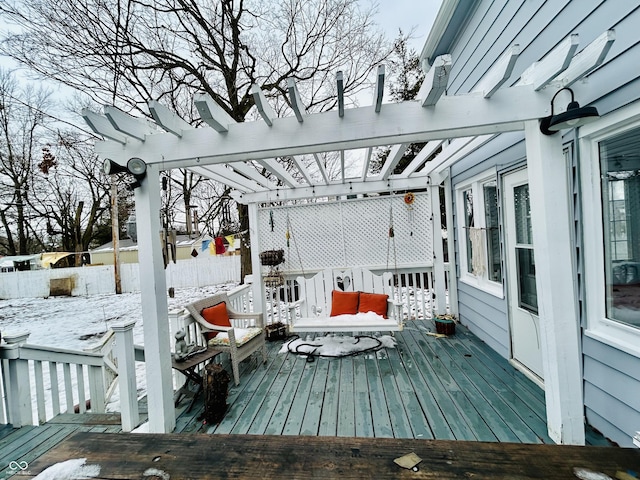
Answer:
x=248 y=316
x=394 y=309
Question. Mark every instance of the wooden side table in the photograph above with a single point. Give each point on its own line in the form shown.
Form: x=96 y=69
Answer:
x=189 y=369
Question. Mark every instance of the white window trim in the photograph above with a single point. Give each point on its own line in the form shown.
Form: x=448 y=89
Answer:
x=475 y=184
x=599 y=327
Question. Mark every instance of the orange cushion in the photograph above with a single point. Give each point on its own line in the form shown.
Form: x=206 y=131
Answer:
x=216 y=315
x=373 y=302
x=344 y=303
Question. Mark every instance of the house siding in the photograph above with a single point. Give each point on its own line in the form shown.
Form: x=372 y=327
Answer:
x=611 y=378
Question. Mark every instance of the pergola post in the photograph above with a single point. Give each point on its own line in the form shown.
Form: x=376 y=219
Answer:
x=554 y=256
x=440 y=306
x=259 y=305
x=153 y=291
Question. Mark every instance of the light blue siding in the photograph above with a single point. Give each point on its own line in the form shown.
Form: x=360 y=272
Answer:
x=611 y=377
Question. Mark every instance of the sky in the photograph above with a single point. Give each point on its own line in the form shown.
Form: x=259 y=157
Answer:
x=406 y=14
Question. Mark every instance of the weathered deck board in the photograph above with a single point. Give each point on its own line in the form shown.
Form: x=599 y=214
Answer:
x=277 y=457
x=453 y=388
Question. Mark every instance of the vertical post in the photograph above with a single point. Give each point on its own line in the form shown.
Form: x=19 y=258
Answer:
x=97 y=389
x=153 y=292
x=451 y=250
x=127 y=375
x=115 y=235
x=174 y=325
x=19 y=411
x=438 y=252
x=259 y=304
x=559 y=321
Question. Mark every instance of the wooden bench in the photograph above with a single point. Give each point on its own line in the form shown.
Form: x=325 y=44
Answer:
x=311 y=313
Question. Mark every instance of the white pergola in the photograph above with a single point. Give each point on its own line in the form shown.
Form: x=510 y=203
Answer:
x=229 y=152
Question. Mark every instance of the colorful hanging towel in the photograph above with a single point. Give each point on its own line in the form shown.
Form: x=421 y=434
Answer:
x=219 y=241
x=231 y=241
x=205 y=244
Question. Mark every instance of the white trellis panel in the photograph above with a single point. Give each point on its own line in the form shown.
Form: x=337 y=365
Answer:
x=351 y=233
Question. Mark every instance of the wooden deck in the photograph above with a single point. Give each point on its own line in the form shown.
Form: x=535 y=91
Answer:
x=453 y=388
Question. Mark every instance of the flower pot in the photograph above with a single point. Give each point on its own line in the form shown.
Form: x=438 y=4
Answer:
x=445 y=326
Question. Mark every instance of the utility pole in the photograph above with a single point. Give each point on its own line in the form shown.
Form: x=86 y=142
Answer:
x=115 y=235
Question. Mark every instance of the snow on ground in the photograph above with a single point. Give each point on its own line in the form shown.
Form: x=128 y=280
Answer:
x=77 y=323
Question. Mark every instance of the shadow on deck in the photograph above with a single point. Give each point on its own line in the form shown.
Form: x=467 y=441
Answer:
x=453 y=388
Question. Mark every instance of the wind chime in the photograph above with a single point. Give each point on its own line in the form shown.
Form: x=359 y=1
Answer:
x=409 y=198
x=272 y=259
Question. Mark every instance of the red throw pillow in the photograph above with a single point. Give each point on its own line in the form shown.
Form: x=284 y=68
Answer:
x=344 y=303
x=216 y=315
x=373 y=302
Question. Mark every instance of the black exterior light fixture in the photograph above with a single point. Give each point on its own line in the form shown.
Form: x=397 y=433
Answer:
x=135 y=166
x=575 y=116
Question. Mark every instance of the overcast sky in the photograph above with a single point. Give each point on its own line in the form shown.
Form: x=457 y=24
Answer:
x=405 y=14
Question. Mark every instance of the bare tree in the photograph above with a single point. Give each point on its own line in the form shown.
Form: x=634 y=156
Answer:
x=73 y=193
x=22 y=129
x=127 y=52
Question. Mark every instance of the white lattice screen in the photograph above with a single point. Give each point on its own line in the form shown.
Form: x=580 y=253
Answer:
x=351 y=233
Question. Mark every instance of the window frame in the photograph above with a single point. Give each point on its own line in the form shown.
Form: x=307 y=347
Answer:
x=597 y=325
x=476 y=185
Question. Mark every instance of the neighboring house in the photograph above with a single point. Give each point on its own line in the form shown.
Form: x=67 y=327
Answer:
x=20 y=262
x=185 y=248
x=496 y=251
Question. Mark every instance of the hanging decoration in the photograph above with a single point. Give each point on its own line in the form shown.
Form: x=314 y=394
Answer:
x=409 y=198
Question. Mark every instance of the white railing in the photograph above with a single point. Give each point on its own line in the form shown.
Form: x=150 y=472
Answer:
x=414 y=288
x=62 y=380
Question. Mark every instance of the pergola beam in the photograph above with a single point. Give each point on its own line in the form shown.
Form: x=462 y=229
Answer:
x=453 y=152
x=250 y=172
x=420 y=158
x=102 y=126
x=540 y=73
x=125 y=123
x=379 y=90
x=302 y=168
x=395 y=155
x=587 y=60
x=367 y=162
x=332 y=190
x=262 y=104
x=435 y=81
x=294 y=98
x=406 y=122
x=279 y=171
x=229 y=177
x=340 y=90
x=168 y=120
x=212 y=114
x=499 y=72
x=321 y=167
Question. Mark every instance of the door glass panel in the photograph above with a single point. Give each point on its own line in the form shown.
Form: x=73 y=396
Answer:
x=620 y=166
x=527 y=294
x=523 y=214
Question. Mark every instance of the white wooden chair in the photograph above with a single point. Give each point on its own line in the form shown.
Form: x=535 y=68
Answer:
x=311 y=313
x=239 y=347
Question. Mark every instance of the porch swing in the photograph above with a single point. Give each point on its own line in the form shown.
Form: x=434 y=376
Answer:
x=346 y=299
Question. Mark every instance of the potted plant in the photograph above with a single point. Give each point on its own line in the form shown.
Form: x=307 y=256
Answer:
x=445 y=324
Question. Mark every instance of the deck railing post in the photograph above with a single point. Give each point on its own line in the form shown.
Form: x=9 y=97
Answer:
x=127 y=375
x=174 y=325
x=19 y=411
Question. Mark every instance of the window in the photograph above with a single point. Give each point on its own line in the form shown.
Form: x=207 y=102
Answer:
x=619 y=158
x=609 y=164
x=478 y=227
